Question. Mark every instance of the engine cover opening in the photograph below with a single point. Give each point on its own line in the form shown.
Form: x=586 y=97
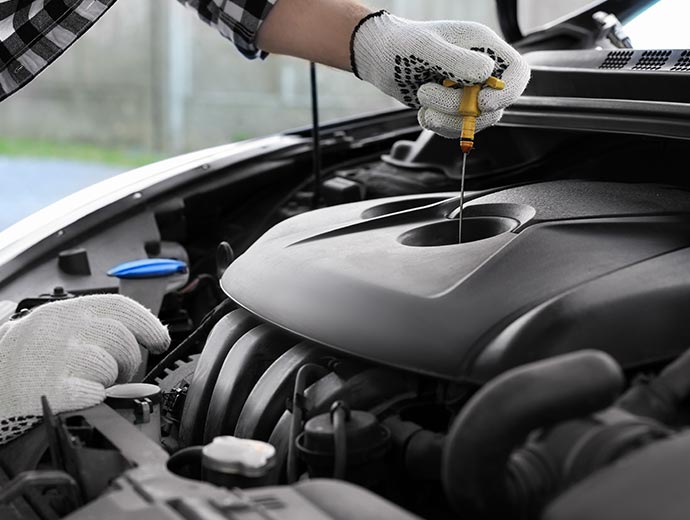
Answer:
x=445 y=233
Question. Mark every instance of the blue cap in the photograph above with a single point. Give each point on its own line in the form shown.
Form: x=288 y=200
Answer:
x=148 y=268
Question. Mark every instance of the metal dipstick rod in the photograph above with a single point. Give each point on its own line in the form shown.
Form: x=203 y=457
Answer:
x=469 y=109
x=462 y=195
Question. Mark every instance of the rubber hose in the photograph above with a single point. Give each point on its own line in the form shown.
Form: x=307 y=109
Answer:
x=418 y=451
x=307 y=374
x=339 y=416
x=185 y=347
x=664 y=395
x=499 y=417
x=187 y=458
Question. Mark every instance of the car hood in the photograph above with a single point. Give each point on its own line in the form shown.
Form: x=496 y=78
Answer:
x=58 y=223
x=580 y=20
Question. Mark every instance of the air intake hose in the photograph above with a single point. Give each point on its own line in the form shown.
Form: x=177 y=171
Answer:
x=498 y=419
x=662 y=398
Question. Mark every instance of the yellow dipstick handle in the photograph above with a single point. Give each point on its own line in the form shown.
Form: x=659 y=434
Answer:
x=469 y=108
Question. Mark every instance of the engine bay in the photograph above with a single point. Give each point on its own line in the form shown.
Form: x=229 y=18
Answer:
x=362 y=360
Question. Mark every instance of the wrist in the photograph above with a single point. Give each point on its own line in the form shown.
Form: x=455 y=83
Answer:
x=355 y=33
x=315 y=30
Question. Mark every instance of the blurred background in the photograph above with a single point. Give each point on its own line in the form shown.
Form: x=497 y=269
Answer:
x=151 y=77
x=150 y=80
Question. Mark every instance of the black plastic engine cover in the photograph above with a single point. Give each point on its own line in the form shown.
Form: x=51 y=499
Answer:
x=550 y=268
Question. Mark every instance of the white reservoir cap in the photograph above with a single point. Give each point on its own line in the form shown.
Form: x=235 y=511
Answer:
x=245 y=457
x=131 y=391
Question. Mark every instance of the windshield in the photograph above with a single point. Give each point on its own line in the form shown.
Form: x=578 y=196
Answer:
x=170 y=84
x=661 y=26
x=535 y=14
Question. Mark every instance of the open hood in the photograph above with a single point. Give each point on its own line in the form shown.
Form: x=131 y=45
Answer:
x=579 y=30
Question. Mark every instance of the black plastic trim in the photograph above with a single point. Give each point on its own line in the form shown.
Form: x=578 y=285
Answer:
x=668 y=120
x=508 y=20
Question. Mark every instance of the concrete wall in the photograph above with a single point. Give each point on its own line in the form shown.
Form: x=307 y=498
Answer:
x=99 y=91
x=151 y=76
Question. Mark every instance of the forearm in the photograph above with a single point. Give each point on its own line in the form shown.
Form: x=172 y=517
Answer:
x=315 y=30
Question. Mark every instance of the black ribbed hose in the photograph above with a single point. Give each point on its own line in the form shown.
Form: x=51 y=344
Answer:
x=501 y=415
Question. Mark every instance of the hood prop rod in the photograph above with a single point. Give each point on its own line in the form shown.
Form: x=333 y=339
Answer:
x=316 y=138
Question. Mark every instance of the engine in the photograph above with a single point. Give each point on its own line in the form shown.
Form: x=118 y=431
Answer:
x=482 y=377
x=543 y=270
x=534 y=367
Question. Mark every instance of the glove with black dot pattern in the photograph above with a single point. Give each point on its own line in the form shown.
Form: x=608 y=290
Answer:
x=409 y=60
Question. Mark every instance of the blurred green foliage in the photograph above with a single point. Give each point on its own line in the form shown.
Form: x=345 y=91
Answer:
x=76 y=151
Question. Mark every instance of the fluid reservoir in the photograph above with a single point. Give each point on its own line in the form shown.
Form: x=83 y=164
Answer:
x=361 y=446
x=233 y=462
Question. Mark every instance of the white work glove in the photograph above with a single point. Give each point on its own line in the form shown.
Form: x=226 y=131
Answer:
x=409 y=60
x=70 y=351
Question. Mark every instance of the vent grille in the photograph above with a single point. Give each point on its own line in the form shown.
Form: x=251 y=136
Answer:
x=683 y=63
x=617 y=60
x=652 y=60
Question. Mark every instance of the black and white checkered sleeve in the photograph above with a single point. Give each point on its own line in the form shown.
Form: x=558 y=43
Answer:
x=237 y=20
x=33 y=33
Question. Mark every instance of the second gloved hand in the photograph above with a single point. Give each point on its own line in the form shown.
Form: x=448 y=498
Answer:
x=409 y=60
x=70 y=351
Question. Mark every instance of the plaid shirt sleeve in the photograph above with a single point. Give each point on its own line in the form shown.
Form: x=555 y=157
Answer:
x=34 y=33
x=237 y=20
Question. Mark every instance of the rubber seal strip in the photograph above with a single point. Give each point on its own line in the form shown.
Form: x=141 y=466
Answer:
x=368 y=17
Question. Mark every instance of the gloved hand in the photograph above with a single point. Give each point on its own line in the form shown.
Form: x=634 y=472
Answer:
x=70 y=351
x=409 y=60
